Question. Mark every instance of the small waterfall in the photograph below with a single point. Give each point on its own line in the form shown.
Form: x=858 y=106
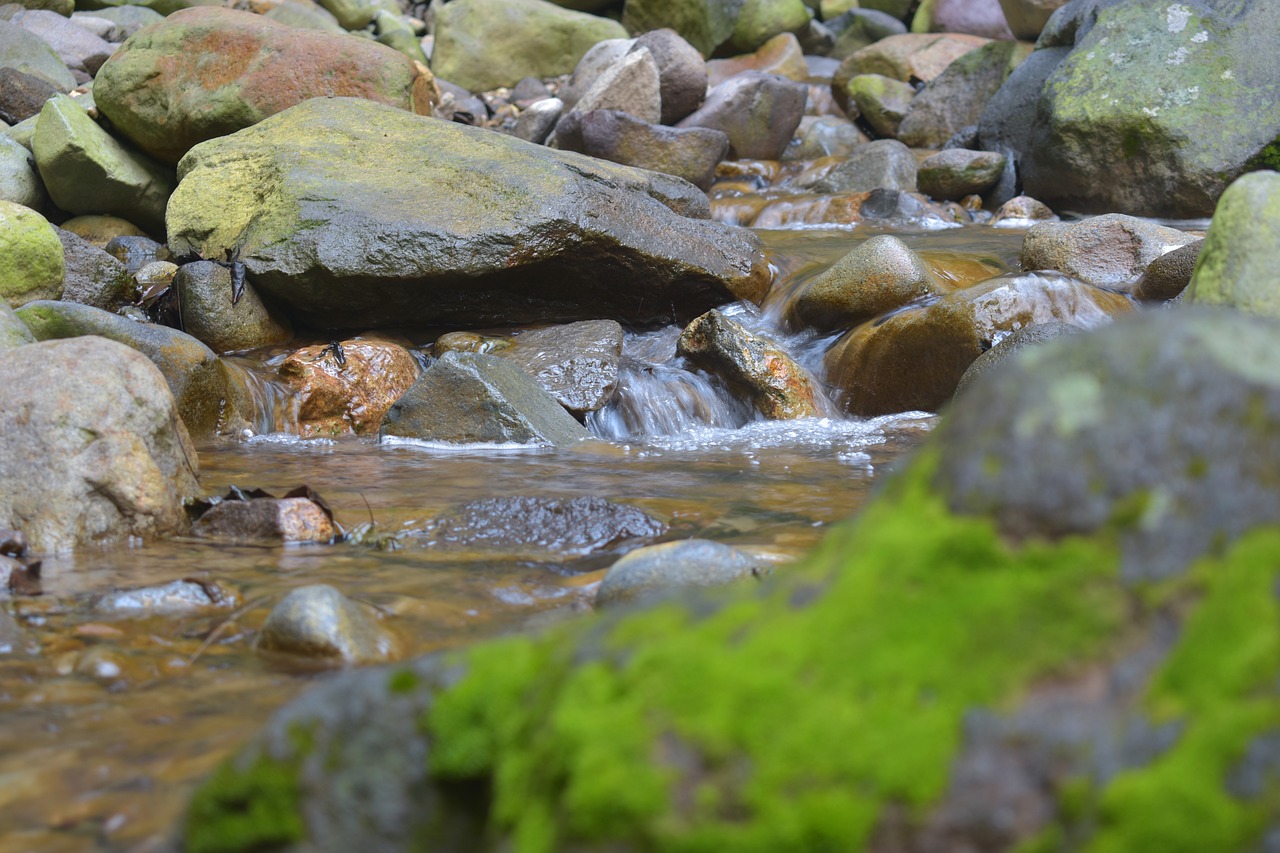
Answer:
x=275 y=409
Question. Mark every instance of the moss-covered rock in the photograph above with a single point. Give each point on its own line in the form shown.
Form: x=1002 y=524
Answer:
x=760 y=20
x=31 y=263
x=1241 y=255
x=955 y=98
x=705 y=24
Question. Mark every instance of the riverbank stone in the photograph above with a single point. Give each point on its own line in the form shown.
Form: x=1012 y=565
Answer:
x=577 y=363
x=470 y=398
x=322 y=202
x=758 y=21
x=319 y=623
x=914 y=358
x=1112 y=250
x=780 y=55
x=484 y=44
x=673 y=568
x=758 y=112
x=19 y=181
x=906 y=57
x=630 y=85
x=207 y=72
x=210 y=397
x=878 y=276
x=881 y=102
x=267 y=521
x=225 y=321
x=100 y=230
x=24 y=51
x=958 y=172
x=1238 y=264
x=86 y=170
x=22 y=95
x=31 y=261
x=92 y=449
x=955 y=99
x=690 y=153
x=883 y=164
x=1011 y=344
x=344 y=387
x=79 y=49
x=93 y=277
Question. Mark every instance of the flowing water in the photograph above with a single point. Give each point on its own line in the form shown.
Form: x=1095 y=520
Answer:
x=107 y=727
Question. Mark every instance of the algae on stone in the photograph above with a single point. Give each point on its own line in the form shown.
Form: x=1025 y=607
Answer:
x=1239 y=265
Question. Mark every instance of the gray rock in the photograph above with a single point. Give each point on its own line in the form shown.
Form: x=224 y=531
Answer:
x=19 y=181
x=468 y=398
x=577 y=363
x=209 y=313
x=211 y=398
x=1006 y=120
x=87 y=171
x=630 y=85
x=689 y=153
x=515 y=233
x=672 y=568
x=79 y=49
x=779 y=388
x=13 y=332
x=955 y=99
x=305 y=16
x=975 y=17
x=1027 y=336
x=599 y=58
x=958 y=172
x=682 y=72
x=825 y=136
x=1167 y=276
x=881 y=274
x=267 y=521
x=536 y=123
x=129 y=18
x=1164 y=428
x=1112 y=250
x=22 y=94
x=25 y=51
x=1026 y=18
x=182 y=596
x=758 y=112
x=882 y=164
x=537 y=526
x=135 y=251
x=91 y=446
x=93 y=277
x=1238 y=265
x=705 y=24
x=857 y=28
x=320 y=623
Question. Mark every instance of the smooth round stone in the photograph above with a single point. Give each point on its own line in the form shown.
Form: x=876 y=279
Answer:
x=673 y=567
x=1238 y=265
x=321 y=623
x=101 y=230
x=31 y=264
x=958 y=172
x=1111 y=250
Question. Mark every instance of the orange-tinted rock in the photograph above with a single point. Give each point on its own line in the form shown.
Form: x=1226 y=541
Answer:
x=206 y=72
x=907 y=57
x=349 y=394
x=781 y=55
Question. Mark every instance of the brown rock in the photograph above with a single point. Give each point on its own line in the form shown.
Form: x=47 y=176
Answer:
x=781 y=55
x=267 y=520
x=346 y=394
x=908 y=57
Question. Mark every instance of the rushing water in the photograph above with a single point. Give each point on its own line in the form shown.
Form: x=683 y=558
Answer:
x=107 y=729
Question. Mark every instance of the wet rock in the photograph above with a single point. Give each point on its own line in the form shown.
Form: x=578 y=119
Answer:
x=13 y=332
x=79 y=49
x=155 y=276
x=913 y=359
x=267 y=520
x=857 y=28
x=629 y=85
x=315 y=200
x=31 y=264
x=22 y=94
x=136 y=251
x=226 y=321
x=577 y=363
x=484 y=44
x=758 y=21
x=880 y=275
x=345 y=390
x=955 y=98
x=468 y=398
x=880 y=101
x=1022 y=212
x=87 y=171
x=1014 y=342
x=1151 y=101
x=1238 y=264
x=470 y=342
x=958 y=172
x=562 y=526
x=682 y=73
x=825 y=136
x=1180 y=478
x=672 y=568
x=758 y=112
x=25 y=51
x=536 y=123
x=91 y=445
x=1026 y=18
x=882 y=164
x=912 y=56
x=93 y=277
x=206 y=72
x=705 y=24
x=211 y=399
x=13 y=639
x=1111 y=250
x=780 y=55
x=690 y=153
x=321 y=623
x=1167 y=276
x=779 y=388
x=107 y=664
x=181 y=596
x=99 y=231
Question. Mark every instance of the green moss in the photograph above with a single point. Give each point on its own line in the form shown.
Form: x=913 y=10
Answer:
x=403 y=681
x=1267 y=158
x=766 y=725
x=254 y=808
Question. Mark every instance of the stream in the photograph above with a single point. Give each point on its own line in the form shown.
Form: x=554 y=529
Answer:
x=108 y=728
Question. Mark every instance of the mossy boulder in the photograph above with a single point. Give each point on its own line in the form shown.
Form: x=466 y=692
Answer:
x=860 y=695
x=19 y=181
x=705 y=24
x=325 y=204
x=484 y=44
x=906 y=57
x=13 y=332
x=31 y=263
x=1120 y=122
x=1239 y=264
x=761 y=20
x=207 y=72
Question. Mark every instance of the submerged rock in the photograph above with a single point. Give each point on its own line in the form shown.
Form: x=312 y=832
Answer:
x=345 y=387
x=320 y=623
x=181 y=596
x=323 y=202
x=267 y=520
x=671 y=568
x=91 y=446
x=469 y=398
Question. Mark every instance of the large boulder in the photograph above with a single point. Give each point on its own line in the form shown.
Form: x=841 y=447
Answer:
x=1239 y=264
x=705 y=24
x=206 y=72
x=31 y=262
x=484 y=44
x=91 y=445
x=1120 y=123
x=325 y=204
x=922 y=682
